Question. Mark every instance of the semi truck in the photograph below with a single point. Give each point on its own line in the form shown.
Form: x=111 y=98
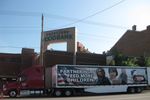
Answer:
x=60 y=80
x=29 y=82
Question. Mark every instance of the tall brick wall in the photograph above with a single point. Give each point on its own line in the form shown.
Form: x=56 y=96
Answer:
x=59 y=57
x=134 y=43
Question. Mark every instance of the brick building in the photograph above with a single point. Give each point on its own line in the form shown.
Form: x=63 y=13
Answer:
x=12 y=64
x=134 y=43
x=60 y=57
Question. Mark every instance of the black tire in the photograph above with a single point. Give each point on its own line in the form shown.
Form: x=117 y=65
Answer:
x=57 y=93
x=68 y=92
x=131 y=90
x=138 y=90
x=13 y=93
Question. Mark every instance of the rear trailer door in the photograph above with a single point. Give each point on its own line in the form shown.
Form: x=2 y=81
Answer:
x=148 y=75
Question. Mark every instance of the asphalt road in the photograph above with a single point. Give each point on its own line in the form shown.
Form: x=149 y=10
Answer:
x=145 y=95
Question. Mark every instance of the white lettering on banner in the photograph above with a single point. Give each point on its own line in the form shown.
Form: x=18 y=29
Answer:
x=80 y=80
x=75 y=71
x=78 y=76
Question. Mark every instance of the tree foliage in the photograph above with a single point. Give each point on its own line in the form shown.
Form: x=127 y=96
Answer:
x=122 y=60
x=147 y=62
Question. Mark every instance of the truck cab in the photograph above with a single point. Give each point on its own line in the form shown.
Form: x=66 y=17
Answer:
x=30 y=79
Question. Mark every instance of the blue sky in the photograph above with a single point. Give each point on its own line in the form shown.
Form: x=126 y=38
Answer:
x=20 y=21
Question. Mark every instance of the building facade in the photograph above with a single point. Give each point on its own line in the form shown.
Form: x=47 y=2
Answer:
x=52 y=58
x=134 y=43
x=12 y=64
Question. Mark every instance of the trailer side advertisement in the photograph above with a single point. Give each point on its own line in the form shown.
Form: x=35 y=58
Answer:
x=91 y=76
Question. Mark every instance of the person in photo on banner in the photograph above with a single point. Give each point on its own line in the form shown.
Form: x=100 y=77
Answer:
x=102 y=79
x=123 y=76
x=113 y=73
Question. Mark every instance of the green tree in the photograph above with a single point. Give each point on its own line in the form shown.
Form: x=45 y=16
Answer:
x=130 y=62
x=147 y=61
x=141 y=61
x=119 y=58
x=122 y=60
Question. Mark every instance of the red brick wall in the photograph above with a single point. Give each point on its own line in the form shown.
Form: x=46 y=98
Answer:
x=134 y=43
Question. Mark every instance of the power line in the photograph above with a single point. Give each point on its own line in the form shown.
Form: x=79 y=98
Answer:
x=20 y=13
x=19 y=27
x=96 y=36
x=79 y=33
x=16 y=47
x=86 y=22
x=93 y=38
x=75 y=20
x=35 y=14
x=104 y=24
x=98 y=12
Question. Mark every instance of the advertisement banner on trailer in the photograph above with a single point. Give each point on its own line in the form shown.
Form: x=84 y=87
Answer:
x=91 y=76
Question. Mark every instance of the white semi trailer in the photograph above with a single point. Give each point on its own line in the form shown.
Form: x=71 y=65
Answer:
x=71 y=79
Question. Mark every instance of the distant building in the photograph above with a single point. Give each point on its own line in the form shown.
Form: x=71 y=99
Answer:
x=83 y=57
x=134 y=43
x=52 y=58
x=12 y=64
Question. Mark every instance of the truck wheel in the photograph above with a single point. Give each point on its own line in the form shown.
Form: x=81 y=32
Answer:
x=138 y=90
x=68 y=93
x=57 y=93
x=131 y=90
x=13 y=93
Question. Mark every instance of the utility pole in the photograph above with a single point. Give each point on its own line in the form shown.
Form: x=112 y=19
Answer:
x=74 y=58
x=41 y=47
x=41 y=51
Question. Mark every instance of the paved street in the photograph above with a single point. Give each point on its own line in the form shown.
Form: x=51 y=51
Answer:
x=142 y=96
